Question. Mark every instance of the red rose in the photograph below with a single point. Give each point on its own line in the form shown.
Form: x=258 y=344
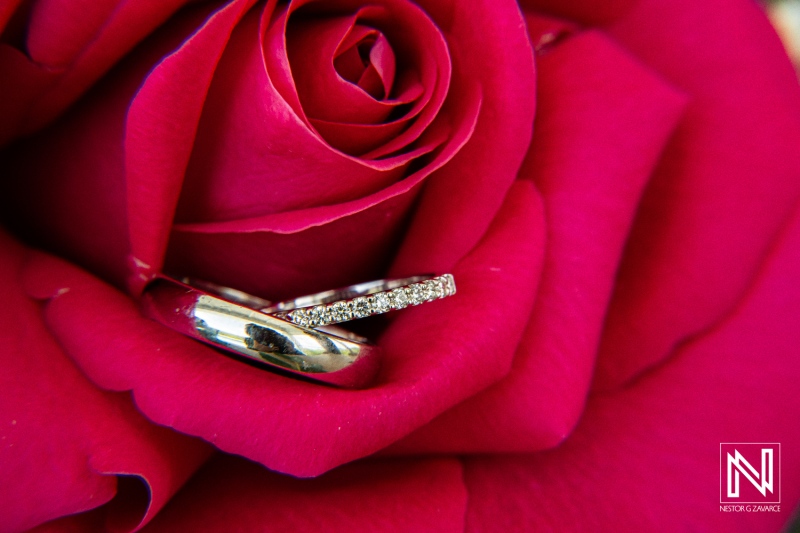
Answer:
x=636 y=250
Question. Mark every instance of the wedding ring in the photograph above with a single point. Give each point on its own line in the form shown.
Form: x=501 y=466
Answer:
x=362 y=300
x=227 y=320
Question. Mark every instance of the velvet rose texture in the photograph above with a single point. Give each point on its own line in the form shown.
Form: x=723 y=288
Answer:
x=613 y=186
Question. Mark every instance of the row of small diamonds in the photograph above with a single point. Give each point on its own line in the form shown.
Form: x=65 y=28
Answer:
x=374 y=304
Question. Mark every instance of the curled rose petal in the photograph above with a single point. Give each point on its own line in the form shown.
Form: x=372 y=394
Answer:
x=269 y=159
x=591 y=163
x=654 y=446
x=300 y=193
x=725 y=185
x=222 y=181
x=338 y=107
x=474 y=184
x=381 y=496
x=160 y=134
x=7 y=10
x=54 y=52
x=160 y=129
x=581 y=11
x=414 y=38
x=60 y=436
x=76 y=523
x=187 y=386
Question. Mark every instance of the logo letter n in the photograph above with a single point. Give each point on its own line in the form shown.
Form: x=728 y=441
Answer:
x=761 y=481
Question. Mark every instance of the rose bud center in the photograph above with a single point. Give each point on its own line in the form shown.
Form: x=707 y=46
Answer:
x=368 y=63
x=357 y=89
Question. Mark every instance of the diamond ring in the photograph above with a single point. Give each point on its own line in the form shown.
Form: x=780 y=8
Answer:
x=362 y=300
x=227 y=319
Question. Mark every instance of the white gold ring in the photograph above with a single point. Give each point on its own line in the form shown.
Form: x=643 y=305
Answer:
x=226 y=319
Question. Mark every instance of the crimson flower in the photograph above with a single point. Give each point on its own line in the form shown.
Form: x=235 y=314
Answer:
x=614 y=188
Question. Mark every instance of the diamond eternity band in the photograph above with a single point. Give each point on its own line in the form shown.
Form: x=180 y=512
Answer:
x=363 y=300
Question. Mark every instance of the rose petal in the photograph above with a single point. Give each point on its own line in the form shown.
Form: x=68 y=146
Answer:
x=654 y=447
x=160 y=131
x=352 y=239
x=34 y=384
x=17 y=98
x=232 y=176
x=461 y=199
x=351 y=59
x=324 y=93
x=402 y=496
x=60 y=436
x=67 y=189
x=63 y=193
x=8 y=10
x=383 y=64
x=254 y=153
x=725 y=185
x=81 y=48
x=583 y=11
x=79 y=215
x=77 y=523
x=426 y=52
x=153 y=169
x=597 y=140
x=59 y=30
x=188 y=386
x=358 y=139
x=276 y=265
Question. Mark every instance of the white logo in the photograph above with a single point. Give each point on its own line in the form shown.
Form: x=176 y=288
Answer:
x=761 y=481
x=745 y=480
